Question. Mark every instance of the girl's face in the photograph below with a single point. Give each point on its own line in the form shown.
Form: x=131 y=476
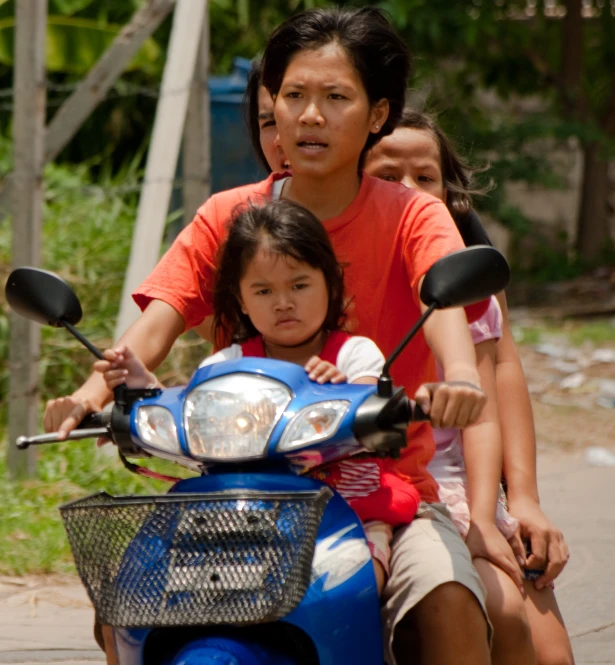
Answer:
x=286 y=300
x=411 y=157
x=269 y=132
x=323 y=113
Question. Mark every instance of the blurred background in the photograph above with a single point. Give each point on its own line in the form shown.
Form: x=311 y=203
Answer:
x=526 y=88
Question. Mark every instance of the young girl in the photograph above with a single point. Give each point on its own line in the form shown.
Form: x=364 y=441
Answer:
x=419 y=155
x=278 y=293
x=338 y=81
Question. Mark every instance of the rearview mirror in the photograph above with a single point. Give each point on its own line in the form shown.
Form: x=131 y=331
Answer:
x=456 y=280
x=43 y=297
x=465 y=277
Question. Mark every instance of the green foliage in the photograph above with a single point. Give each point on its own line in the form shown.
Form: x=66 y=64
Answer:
x=241 y=27
x=86 y=239
x=600 y=332
x=75 y=44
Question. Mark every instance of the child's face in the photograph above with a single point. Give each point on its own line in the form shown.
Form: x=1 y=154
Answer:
x=269 y=132
x=286 y=300
x=323 y=113
x=411 y=157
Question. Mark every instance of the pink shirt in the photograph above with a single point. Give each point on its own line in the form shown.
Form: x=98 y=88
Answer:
x=447 y=463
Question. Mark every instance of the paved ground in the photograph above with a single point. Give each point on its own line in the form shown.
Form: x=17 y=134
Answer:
x=45 y=621
x=579 y=498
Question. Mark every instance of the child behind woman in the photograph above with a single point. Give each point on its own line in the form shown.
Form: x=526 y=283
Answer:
x=279 y=294
x=467 y=465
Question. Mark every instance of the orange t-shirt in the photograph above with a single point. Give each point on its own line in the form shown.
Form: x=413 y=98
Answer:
x=387 y=238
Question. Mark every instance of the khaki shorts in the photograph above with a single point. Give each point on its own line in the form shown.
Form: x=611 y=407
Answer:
x=424 y=555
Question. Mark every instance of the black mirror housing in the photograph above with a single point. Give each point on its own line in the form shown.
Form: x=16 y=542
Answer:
x=43 y=297
x=465 y=277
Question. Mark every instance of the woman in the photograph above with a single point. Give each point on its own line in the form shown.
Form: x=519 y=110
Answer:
x=338 y=80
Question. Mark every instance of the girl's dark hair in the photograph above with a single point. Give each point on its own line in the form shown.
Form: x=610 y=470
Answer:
x=457 y=174
x=287 y=229
x=379 y=54
x=250 y=111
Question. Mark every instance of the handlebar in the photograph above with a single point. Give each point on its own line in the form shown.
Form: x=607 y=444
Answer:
x=99 y=419
x=91 y=427
x=416 y=413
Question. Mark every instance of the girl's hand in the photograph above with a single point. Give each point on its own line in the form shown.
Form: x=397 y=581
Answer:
x=323 y=372
x=122 y=366
x=484 y=540
x=451 y=403
x=549 y=549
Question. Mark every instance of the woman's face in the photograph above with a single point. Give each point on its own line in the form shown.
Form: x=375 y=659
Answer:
x=268 y=133
x=323 y=113
x=411 y=157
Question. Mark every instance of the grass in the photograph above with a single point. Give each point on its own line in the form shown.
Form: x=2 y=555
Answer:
x=32 y=538
x=598 y=332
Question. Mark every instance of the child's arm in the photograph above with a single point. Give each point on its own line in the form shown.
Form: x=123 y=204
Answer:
x=151 y=337
x=121 y=366
x=482 y=447
x=549 y=548
x=458 y=401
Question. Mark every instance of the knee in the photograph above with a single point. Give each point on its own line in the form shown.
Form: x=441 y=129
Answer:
x=449 y=616
x=554 y=654
x=511 y=626
x=451 y=603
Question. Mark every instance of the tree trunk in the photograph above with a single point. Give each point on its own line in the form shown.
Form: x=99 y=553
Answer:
x=593 y=220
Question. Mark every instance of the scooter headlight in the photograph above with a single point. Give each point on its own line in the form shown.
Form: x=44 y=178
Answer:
x=232 y=417
x=156 y=427
x=313 y=423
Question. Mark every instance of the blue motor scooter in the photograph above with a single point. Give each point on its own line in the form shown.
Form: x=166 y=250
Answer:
x=249 y=562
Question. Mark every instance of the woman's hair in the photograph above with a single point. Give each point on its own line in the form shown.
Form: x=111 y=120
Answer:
x=250 y=111
x=457 y=174
x=284 y=228
x=378 y=53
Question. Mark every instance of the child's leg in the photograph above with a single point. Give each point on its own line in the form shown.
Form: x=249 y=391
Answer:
x=512 y=637
x=379 y=536
x=549 y=634
x=381 y=575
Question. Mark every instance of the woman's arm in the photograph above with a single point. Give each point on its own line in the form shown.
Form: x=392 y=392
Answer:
x=150 y=338
x=459 y=400
x=549 y=550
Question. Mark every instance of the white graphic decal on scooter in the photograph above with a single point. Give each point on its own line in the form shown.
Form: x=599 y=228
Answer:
x=339 y=561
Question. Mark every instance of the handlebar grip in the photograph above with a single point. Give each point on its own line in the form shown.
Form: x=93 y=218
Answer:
x=94 y=420
x=417 y=413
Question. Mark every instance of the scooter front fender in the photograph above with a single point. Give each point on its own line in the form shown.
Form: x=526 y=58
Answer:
x=228 y=651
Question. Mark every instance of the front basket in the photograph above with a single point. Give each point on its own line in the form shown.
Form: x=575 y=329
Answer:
x=238 y=557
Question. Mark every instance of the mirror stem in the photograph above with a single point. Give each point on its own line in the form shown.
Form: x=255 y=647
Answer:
x=88 y=345
x=385 y=384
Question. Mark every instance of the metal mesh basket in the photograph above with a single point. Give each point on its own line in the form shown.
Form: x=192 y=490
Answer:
x=236 y=557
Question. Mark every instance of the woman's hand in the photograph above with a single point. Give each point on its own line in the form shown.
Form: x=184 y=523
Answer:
x=484 y=540
x=63 y=414
x=451 y=403
x=122 y=366
x=323 y=372
x=549 y=549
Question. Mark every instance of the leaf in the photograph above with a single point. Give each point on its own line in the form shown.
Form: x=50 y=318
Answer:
x=69 y=7
x=243 y=12
x=74 y=45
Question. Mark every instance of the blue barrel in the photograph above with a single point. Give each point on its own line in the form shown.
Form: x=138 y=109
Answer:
x=233 y=162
